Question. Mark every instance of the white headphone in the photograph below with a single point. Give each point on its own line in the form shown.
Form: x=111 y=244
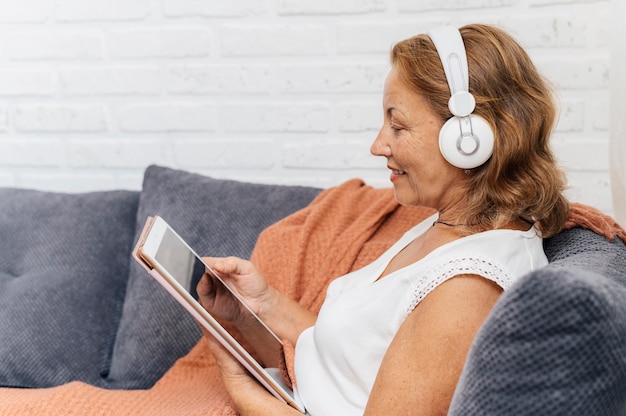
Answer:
x=466 y=139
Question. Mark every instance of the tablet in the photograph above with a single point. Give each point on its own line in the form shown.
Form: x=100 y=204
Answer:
x=170 y=260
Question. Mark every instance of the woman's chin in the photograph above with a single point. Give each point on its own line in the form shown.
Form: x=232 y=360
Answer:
x=403 y=199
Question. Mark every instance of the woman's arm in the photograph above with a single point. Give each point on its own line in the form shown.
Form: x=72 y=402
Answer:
x=422 y=366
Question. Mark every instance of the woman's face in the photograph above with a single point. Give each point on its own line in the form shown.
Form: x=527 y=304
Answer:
x=409 y=139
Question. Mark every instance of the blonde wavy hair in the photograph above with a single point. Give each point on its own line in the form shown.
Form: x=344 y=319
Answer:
x=522 y=178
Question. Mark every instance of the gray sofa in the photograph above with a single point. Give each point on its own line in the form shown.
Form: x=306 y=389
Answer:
x=75 y=307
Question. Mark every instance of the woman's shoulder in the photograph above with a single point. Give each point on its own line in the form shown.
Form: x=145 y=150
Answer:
x=514 y=251
x=502 y=256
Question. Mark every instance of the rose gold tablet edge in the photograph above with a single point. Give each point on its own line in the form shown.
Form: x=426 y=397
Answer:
x=270 y=383
x=209 y=322
x=136 y=253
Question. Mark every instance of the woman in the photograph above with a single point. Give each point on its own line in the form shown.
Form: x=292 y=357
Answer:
x=392 y=337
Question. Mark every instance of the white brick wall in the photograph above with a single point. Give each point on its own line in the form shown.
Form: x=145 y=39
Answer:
x=277 y=91
x=617 y=107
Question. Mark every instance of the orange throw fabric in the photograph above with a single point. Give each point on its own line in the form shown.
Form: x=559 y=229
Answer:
x=344 y=229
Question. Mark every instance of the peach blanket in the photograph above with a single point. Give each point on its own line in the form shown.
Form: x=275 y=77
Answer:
x=343 y=229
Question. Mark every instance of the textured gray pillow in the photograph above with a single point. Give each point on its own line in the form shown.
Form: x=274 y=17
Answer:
x=555 y=344
x=63 y=272
x=217 y=218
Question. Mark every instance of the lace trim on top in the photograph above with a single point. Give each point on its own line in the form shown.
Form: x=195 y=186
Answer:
x=445 y=270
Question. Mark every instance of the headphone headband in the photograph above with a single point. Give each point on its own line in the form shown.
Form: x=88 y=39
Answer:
x=451 y=49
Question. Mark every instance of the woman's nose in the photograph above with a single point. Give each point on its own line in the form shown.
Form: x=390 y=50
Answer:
x=380 y=147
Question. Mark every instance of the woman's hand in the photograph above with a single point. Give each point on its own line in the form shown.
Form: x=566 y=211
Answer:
x=283 y=315
x=248 y=396
x=243 y=278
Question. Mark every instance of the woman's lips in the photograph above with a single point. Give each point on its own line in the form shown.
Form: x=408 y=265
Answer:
x=396 y=174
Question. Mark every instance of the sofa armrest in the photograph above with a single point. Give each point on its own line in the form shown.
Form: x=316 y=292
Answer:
x=555 y=343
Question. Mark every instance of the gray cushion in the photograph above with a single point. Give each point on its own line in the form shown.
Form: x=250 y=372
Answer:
x=63 y=271
x=217 y=218
x=555 y=344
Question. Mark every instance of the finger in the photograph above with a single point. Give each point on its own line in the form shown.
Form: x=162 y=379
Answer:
x=212 y=261
x=234 y=266
x=205 y=285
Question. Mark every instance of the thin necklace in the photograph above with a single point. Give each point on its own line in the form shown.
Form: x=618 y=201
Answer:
x=450 y=224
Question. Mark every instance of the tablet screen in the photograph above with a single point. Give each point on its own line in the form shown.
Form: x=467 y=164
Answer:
x=187 y=269
x=180 y=262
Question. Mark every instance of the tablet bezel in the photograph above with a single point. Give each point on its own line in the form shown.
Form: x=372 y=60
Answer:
x=144 y=253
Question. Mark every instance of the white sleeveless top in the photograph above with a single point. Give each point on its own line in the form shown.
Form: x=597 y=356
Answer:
x=336 y=361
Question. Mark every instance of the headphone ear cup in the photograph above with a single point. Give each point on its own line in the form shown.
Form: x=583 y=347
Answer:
x=469 y=151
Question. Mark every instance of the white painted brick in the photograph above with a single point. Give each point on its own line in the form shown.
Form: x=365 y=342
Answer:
x=249 y=89
x=571 y=115
x=276 y=117
x=540 y=3
x=377 y=37
x=591 y=188
x=81 y=10
x=576 y=72
x=600 y=113
x=285 y=177
x=7 y=179
x=172 y=42
x=224 y=154
x=27 y=152
x=378 y=178
x=212 y=8
x=603 y=29
x=99 y=80
x=218 y=79
x=545 y=31
x=428 y=5
x=168 y=117
x=548 y=31
x=327 y=178
x=74 y=182
x=4 y=117
x=329 y=7
x=273 y=40
x=24 y=11
x=27 y=82
x=67 y=44
x=332 y=78
x=130 y=181
x=329 y=154
x=583 y=155
x=358 y=117
x=114 y=153
x=60 y=118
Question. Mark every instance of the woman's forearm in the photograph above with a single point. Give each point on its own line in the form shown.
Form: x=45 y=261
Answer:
x=286 y=317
